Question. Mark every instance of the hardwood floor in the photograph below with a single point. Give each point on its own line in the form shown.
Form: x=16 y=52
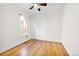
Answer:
x=35 y=47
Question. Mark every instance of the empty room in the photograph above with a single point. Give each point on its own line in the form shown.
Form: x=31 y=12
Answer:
x=39 y=29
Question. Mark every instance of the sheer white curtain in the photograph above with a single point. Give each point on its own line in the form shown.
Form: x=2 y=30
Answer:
x=23 y=26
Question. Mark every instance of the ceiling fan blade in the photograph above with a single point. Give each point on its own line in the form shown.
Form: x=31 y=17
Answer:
x=39 y=9
x=31 y=7
x=43 y=4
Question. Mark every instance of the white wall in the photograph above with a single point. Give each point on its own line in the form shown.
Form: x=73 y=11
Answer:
x=47 y=26
x=71 y=28
x=9 y=27
x=0 y=28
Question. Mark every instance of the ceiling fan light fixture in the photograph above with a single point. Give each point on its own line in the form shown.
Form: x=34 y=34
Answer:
x=35 y=5
x=38 y=6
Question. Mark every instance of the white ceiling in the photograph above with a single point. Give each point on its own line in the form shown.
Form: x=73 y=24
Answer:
x=51 y=7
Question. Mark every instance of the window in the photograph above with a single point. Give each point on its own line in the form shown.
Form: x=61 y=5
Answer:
x=23 y=26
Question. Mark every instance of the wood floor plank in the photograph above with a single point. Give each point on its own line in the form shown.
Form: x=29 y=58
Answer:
x=35 y=47
x=41 y=51
x=17 y=48
x=32 y=50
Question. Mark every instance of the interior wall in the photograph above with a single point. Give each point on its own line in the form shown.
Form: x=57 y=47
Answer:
x=47 y=26
x=9 y=27
x=71 y=28
x=0 y=28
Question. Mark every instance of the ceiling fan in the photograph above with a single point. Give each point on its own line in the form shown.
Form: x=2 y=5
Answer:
x=38 y=6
